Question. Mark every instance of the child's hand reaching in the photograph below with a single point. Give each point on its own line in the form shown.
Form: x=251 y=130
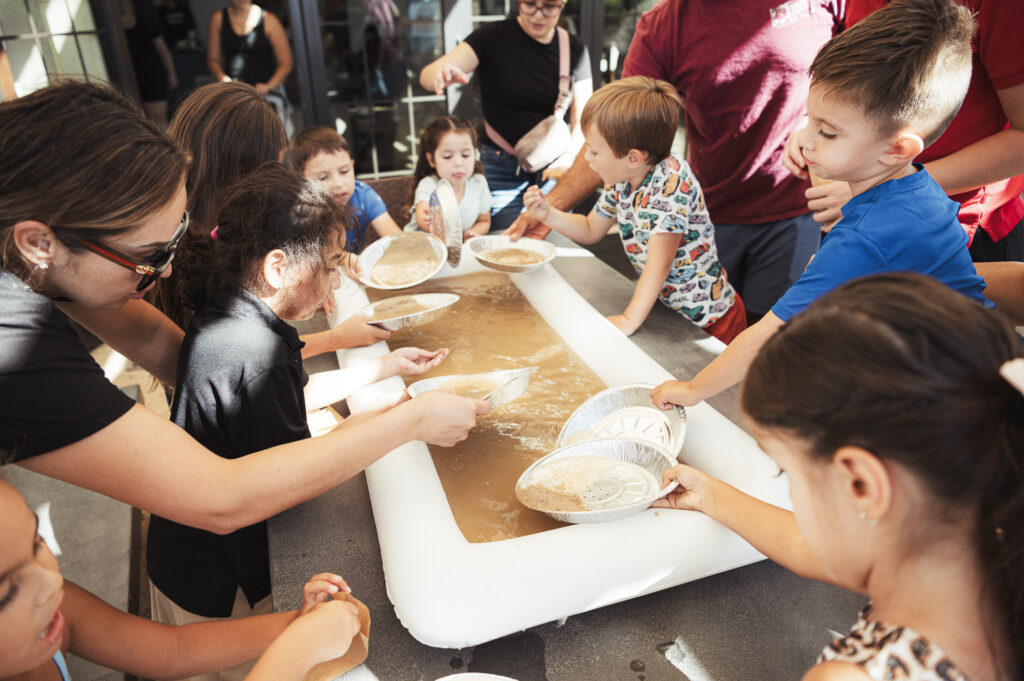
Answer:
x=691 y=493
x=412 y=361
x=320 y=588
x=357 y=332
x=671 y=393
x=536 y=204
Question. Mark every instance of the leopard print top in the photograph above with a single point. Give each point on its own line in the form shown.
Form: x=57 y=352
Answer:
x=891 y=653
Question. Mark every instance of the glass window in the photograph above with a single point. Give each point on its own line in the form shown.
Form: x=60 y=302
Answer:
x=14 y=17
x=26 y=65
x=45 y=38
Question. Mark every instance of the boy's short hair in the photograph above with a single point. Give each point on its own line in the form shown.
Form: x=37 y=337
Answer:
x=316 y=139
x=907 y=65
x=635 y=113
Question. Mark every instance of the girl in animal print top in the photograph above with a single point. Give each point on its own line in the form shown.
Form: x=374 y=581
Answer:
x=884 y=405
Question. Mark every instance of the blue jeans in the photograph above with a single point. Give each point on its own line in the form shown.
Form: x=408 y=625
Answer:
x=507 y=182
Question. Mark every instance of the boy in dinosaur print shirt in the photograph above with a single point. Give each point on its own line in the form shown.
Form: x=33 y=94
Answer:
x=653 y=197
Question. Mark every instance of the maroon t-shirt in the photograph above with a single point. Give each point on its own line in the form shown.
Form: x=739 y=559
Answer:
x=741 y=69
x=998 y=65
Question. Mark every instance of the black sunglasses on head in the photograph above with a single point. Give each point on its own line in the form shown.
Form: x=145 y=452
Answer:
x=150 y=271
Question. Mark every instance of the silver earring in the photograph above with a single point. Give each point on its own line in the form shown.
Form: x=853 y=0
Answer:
x=864 y=516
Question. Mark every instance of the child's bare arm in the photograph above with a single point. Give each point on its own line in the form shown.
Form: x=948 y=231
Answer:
x=354 y=332
x=769 y=529
x=481 y=227
x=582 y=230
x=661 y=253
x=725 y=371
x=107 y=636
x=385 y=225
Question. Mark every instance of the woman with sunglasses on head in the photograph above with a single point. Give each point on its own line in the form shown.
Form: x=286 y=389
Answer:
x=518 y=65
x=92 y=201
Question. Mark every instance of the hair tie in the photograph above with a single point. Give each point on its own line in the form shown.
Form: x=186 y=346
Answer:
x=213 y=234
x=1013 y=372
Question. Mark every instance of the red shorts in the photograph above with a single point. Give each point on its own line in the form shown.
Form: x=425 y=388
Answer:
x=731 y=324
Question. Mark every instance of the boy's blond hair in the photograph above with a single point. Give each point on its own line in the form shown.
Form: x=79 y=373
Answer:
x=635 y=113
x=908 y=66
x=316 y=139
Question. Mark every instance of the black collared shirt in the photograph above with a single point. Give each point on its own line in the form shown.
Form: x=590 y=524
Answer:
x=239 y=391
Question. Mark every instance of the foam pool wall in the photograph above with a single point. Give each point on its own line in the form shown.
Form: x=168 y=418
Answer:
x=450 y=593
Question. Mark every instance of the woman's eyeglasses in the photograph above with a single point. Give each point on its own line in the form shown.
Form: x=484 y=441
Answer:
x=548 y=10
x=157 y=263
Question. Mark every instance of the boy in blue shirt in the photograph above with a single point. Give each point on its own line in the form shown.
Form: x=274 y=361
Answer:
x=880 y=93
x=321 y=155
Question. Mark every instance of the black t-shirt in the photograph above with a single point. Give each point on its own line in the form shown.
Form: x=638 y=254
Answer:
x=519 y=76
x=239 y=391
x=52 y=392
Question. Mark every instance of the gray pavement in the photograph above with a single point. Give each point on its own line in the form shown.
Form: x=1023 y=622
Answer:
x=756 y=622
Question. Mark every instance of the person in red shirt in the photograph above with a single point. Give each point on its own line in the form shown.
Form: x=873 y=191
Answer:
x=979 y=160
x=741 y=89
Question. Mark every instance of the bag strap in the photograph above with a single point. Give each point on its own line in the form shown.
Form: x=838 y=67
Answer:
x=564 y=90
x=564 y=80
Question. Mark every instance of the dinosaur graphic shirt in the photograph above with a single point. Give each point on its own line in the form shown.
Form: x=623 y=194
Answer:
x=669 y=200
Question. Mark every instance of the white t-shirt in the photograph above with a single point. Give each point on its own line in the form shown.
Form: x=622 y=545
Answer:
x=475 y=201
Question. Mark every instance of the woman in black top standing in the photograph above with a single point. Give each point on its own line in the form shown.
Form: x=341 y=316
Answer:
x=517 y=61
x=248 y=43
x=92 y=209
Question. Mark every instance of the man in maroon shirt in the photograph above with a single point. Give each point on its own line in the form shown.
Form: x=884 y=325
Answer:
x=741 y=69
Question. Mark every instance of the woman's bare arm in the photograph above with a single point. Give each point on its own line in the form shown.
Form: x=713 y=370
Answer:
x=145 y=460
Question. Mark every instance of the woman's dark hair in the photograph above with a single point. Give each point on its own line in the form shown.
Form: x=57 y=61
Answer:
x=907 y=369
x=429 y=139
x=83 y=160
x=270 y=208
x=229 y=129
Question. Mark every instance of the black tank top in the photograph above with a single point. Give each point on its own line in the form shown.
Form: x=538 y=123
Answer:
x=248 y=58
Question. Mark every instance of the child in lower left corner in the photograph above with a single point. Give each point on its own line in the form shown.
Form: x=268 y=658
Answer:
x=321 y=155
x=43 y=617
x=653 y=197
x=448 y=151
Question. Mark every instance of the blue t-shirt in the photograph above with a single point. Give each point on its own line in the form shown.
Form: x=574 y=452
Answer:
x=366 y=206
x=902 y=225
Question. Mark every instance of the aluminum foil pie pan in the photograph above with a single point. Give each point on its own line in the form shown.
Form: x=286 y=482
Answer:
x=369 y=257
x=437 y=304
x=627 y=411
x=497 y=387
x=629 y=480
x=481 y=244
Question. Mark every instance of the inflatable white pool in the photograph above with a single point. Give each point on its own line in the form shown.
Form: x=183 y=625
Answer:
x=450 y=593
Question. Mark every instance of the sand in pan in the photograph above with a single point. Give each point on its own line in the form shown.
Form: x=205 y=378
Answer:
x=407 y=259
x=512 y=256
x=399 y=306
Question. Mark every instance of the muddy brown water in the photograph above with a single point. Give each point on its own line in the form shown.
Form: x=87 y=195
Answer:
x=493 y=327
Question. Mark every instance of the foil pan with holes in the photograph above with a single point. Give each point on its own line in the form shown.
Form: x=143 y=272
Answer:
x=627 y=411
